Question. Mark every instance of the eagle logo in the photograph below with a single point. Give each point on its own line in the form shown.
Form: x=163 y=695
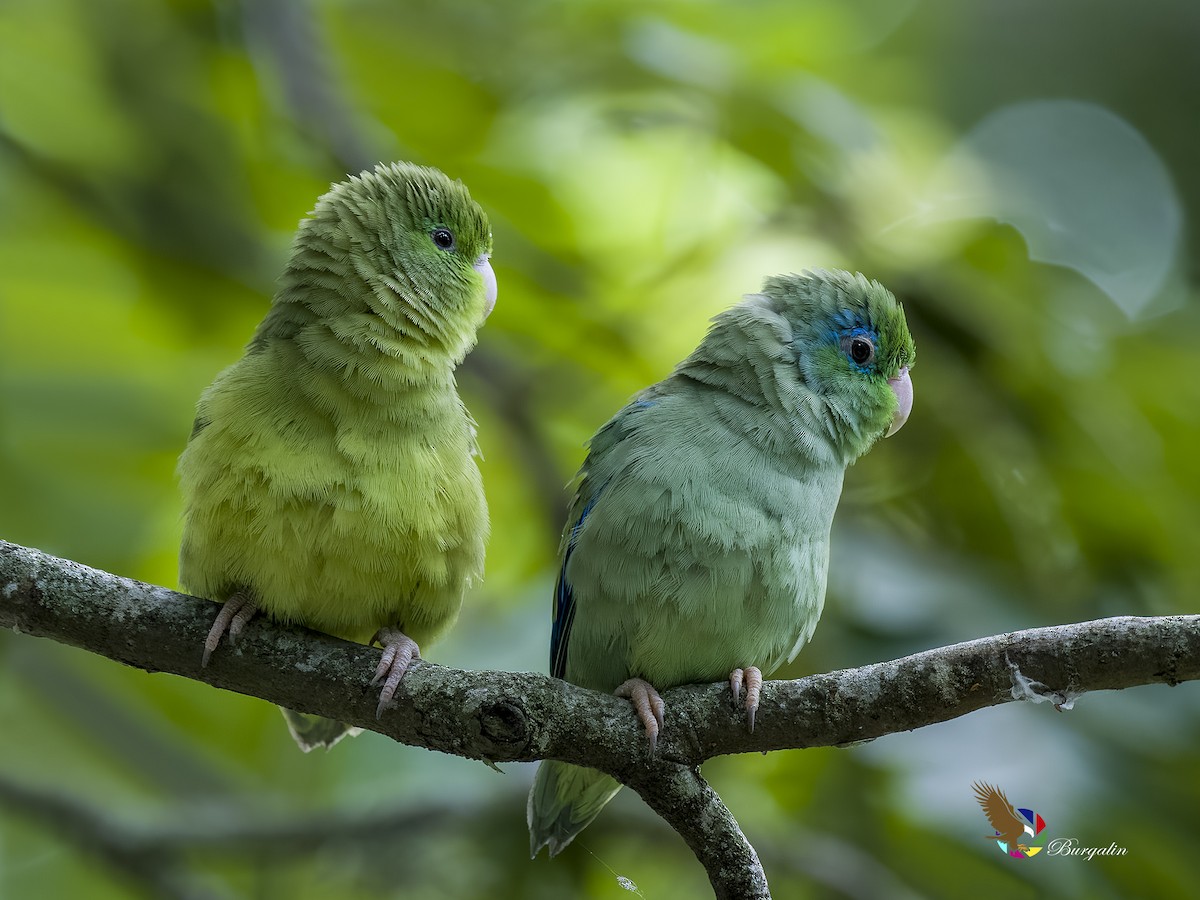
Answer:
x=1011 y=825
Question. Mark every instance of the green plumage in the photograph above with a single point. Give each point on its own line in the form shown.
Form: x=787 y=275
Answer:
x=698 y=540
x=330 y=472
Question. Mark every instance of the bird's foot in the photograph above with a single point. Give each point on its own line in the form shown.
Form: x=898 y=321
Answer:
x=235 y=613
x=399 y=650
x=752 y=678
x=648 y=705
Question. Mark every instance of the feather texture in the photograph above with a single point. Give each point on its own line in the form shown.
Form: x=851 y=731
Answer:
x=330 y=473
x=698 y=541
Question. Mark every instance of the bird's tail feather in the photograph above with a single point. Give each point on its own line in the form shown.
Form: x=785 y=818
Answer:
x=311 y=732
x=563 y=802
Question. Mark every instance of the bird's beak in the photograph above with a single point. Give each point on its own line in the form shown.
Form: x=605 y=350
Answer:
x=902 y=387
x=483 y=266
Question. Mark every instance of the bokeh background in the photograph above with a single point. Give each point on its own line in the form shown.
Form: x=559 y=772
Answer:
x=1022 y=174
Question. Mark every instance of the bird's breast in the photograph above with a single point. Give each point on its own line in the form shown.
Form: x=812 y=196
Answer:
x=344 y=523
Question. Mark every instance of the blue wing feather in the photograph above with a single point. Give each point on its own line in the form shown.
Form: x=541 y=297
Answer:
x=613 y=432
x=564 y=598
x=564 y=617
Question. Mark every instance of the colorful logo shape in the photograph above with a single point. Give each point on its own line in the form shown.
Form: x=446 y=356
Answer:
x=1034 y=826
x=1018 y=832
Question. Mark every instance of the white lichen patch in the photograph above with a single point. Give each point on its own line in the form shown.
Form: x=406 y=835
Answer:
x=127 y=606
x=940 y=676
x=1025 y=688
x=867 y=688
x=308 y=662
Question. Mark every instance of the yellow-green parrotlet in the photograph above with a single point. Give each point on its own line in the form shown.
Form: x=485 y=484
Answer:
x=329 y=479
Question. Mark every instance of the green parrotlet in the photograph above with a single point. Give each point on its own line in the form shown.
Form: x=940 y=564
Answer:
x=697 y=545
x=329 y=479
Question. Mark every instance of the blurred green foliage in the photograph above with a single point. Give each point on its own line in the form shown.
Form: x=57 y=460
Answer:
x=1020 y=173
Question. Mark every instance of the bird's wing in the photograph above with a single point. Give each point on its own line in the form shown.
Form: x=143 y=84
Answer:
x=597 y=472
x=999 y=811
x=564 y=596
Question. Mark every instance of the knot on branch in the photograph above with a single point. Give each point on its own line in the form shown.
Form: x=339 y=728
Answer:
x=504 y=724
x=504 y=727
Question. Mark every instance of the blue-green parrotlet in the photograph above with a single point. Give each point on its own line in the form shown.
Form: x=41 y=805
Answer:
x=697 y=545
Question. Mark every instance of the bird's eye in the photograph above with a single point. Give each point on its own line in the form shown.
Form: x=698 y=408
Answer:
x=859 y=348
x=443 y=237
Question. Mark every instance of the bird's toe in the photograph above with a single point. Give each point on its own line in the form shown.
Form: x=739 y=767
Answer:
x=232 y=618
x=752 y=678
x=648 y=705
x=399 y=651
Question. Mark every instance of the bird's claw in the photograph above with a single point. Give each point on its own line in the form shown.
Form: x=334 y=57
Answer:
x=399 y=650
x=752 y=678
x=648 y=705
x=235 y=613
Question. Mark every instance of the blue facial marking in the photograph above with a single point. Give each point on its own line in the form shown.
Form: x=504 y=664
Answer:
x=854 y=328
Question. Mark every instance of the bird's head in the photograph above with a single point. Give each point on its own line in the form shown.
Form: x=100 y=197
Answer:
x=416 y=241
x=852 y=351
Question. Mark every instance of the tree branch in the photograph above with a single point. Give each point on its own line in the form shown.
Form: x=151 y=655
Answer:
x=688 y=804
x=509 y=717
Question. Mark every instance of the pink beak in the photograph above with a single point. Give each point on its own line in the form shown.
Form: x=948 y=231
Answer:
x=484 y=267
x=902 y=387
